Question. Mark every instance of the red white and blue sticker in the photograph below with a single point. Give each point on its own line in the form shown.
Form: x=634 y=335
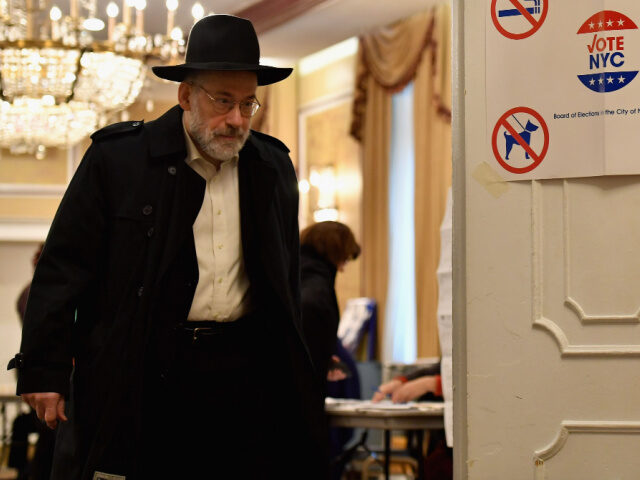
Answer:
x=606 y=33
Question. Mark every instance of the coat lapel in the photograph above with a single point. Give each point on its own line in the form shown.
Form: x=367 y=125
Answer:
x=261 y=241
x=182 y=197
x=257 y=180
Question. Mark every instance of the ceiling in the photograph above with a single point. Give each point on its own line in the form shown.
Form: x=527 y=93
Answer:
x=333 y=21
x=288 y=29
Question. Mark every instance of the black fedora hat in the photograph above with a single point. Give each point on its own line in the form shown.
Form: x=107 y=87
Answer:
x=223 y=42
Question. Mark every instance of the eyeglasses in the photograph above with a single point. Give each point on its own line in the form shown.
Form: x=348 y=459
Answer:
x=221 y=105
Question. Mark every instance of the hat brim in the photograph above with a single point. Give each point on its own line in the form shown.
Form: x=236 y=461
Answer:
x=266 y=74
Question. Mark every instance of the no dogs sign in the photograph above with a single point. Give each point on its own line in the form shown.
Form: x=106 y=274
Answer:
x=520 y=140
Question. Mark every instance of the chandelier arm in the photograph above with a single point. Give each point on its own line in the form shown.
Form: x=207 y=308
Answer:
x=2 y=97
x=78 y=72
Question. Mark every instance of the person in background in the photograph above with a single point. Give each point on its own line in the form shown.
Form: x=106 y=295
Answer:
x=168 y=293
x=325 y=249
x=416 y=384
x=422 y=384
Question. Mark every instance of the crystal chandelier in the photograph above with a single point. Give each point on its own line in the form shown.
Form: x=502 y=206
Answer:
x=58 y=83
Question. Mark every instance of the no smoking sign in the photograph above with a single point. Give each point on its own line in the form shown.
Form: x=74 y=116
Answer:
x=518 y=19
x=520 y=140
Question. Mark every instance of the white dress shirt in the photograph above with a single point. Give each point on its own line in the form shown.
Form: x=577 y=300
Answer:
x=222 y=293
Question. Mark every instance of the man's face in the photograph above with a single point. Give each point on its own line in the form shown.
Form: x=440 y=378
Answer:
x=219 y=135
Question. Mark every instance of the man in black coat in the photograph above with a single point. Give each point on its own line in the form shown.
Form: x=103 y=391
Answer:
x=162 y=332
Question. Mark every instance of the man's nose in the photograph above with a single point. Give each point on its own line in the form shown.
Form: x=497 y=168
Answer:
x=234 y=117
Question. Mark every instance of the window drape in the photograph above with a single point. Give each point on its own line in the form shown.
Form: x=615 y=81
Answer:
x=417 y=49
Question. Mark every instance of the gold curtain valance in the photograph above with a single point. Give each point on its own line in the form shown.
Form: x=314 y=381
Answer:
x=392 y=53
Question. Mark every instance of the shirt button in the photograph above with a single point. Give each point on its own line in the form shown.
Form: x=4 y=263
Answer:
x=219 y=212
x=220 y=247
x=172 y=170
x=150 y=232
x=220 y=280
x=140 y=291
x=147 y=209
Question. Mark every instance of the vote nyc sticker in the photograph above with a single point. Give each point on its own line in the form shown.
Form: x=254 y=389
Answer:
x=609 y=38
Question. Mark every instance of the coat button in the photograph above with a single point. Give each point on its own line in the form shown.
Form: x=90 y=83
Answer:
x=150 y=232
x=172 y=170
x=147 y=209
x=140 y=291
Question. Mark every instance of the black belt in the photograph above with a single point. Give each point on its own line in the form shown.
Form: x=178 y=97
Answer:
x=209 y=329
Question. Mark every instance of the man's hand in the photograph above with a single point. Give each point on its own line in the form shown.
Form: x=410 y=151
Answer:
x=49 y=407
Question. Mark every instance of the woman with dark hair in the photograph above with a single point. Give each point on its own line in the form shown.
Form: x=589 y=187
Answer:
x=325 y=248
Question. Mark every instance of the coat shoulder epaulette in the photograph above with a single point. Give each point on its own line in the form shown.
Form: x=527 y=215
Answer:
x=116 y=129
x=269 y=139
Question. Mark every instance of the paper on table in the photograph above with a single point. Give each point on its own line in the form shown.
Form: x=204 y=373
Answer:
x=351 y=405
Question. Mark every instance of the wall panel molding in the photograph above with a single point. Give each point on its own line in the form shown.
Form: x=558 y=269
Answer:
x=570 y=427
x=549 y=325
x=570 y=301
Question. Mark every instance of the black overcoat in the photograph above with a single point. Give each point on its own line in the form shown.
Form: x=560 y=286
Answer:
x=320 y=311
x=119 y=265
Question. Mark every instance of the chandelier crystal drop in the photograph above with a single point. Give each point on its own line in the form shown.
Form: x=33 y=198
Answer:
x=58 y=83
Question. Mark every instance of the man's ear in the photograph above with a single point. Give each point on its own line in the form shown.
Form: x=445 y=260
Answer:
x=184 y=96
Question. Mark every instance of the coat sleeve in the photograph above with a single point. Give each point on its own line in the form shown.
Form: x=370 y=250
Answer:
x=294 y=248
x=67 y=266
x=319 y=333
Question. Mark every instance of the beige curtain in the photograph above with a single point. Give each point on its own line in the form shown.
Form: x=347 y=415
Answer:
x=388 y=60
x=432 y=117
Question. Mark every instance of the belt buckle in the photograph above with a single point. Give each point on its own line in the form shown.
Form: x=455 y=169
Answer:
x=195 y=334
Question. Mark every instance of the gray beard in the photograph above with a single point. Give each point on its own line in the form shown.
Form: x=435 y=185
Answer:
x=209 y=142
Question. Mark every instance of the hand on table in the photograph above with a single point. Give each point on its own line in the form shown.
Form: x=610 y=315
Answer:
x=386 y=389
x=49 y=407
x=414 y=389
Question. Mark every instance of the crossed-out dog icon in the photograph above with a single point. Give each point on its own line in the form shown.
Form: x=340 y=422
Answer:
x=526 y=132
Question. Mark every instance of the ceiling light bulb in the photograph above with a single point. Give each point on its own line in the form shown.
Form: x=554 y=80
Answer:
x=141 y=4
x=93 y=24
x=303 y=186
x=176 y=34
x=55 y=13
x=172 y=5
x=48 y=100
x=197 y=11
x=112 y=10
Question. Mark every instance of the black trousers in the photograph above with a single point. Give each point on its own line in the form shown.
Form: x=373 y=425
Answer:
x=222 y=410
